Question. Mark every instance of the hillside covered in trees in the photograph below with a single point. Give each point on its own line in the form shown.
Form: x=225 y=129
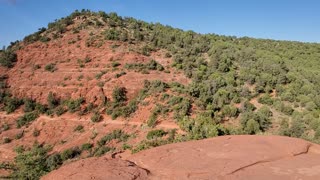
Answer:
x=235 y=85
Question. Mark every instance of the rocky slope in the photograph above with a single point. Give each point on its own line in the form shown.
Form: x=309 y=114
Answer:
x=221 y=158
x=94 y=83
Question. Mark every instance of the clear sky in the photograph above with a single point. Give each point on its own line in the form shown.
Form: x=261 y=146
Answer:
x=297 y=20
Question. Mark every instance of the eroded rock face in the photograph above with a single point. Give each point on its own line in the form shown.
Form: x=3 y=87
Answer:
x=98 y=169
x=221 y=158
x=234 y=157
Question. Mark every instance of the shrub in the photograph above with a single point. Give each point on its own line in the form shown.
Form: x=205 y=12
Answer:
x=156 y=134
x=60 y=110
x=247 y=106
x=5 y=127
x=53 y=162
x=74 y=105
x=26 y=118
x=6 y=140
x=11 y=104
x=120 y=74
x=101 y=150
x=29 y=105
x=19 y=135
x=119 y=94
x=52 y=100
x=152 y=121
x=8 y=58
x=50 y=67
x=265 y=99
x=252 y=126
x=96 y=117
x=70 y=153
x=115 y=64
x=115 y=134
x=79 y=128
x=86 y=146
x=36 y=133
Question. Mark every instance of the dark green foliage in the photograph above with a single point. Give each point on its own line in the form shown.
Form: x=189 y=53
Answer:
x=156 y=134
x=74 y=105
x=120 y=74
x=52 y=100
x=70 y=153
x=152 y=121
x=79 y=128
x=36 y=133
x=40 y=108
x=101 y=150
x=265 y=99
x=119 y=94
x=8 y=58
x=86 y=146
x=5 y=126
x=229 y=111
x=115 y=64
x=262 y=120
x=252 y=127
x=50 y=67
x=96 y=117
x=27 y=118
x=297 y=128
x=115 y=134
x=29 y=105
x=60 y=110
x=31 y=164
x=247 y=106
x=112 y=34
x=19 y=135
x=152 y=65
x=11 y=104
x=6 y=140
x=99 y=75
x=53 y=162
x=36 y=36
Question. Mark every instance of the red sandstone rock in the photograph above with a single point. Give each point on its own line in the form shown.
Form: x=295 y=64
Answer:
x=221 y=158
x=98 y=169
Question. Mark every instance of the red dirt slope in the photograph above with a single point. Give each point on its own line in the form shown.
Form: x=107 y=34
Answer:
x=223 y=158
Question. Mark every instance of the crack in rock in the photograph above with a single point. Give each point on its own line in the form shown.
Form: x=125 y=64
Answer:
x=270 y=160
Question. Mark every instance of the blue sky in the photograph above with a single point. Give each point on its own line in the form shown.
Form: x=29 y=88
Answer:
x=297 y=20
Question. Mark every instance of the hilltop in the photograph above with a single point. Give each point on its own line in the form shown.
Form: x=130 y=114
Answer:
x=94 y=83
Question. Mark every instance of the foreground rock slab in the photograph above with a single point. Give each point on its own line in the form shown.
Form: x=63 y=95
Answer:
x=221 y=158
x=98 y=169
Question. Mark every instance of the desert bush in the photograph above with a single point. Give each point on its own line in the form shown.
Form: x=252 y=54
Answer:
x=119 y=94
x=156 y=134
x=78 y=128
x=27 y=118
x=115 y=134
x=96 y=117
x=74 y=105
x=19 y=135
x=60 y=110
x=86 y=146
x=101 y=150
x=36 y=133
x=53 y=162
x=8 y=58
x=29 y=105
x=70 y=153
x=11 y=104
x=52 y=100
x=50 y=67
